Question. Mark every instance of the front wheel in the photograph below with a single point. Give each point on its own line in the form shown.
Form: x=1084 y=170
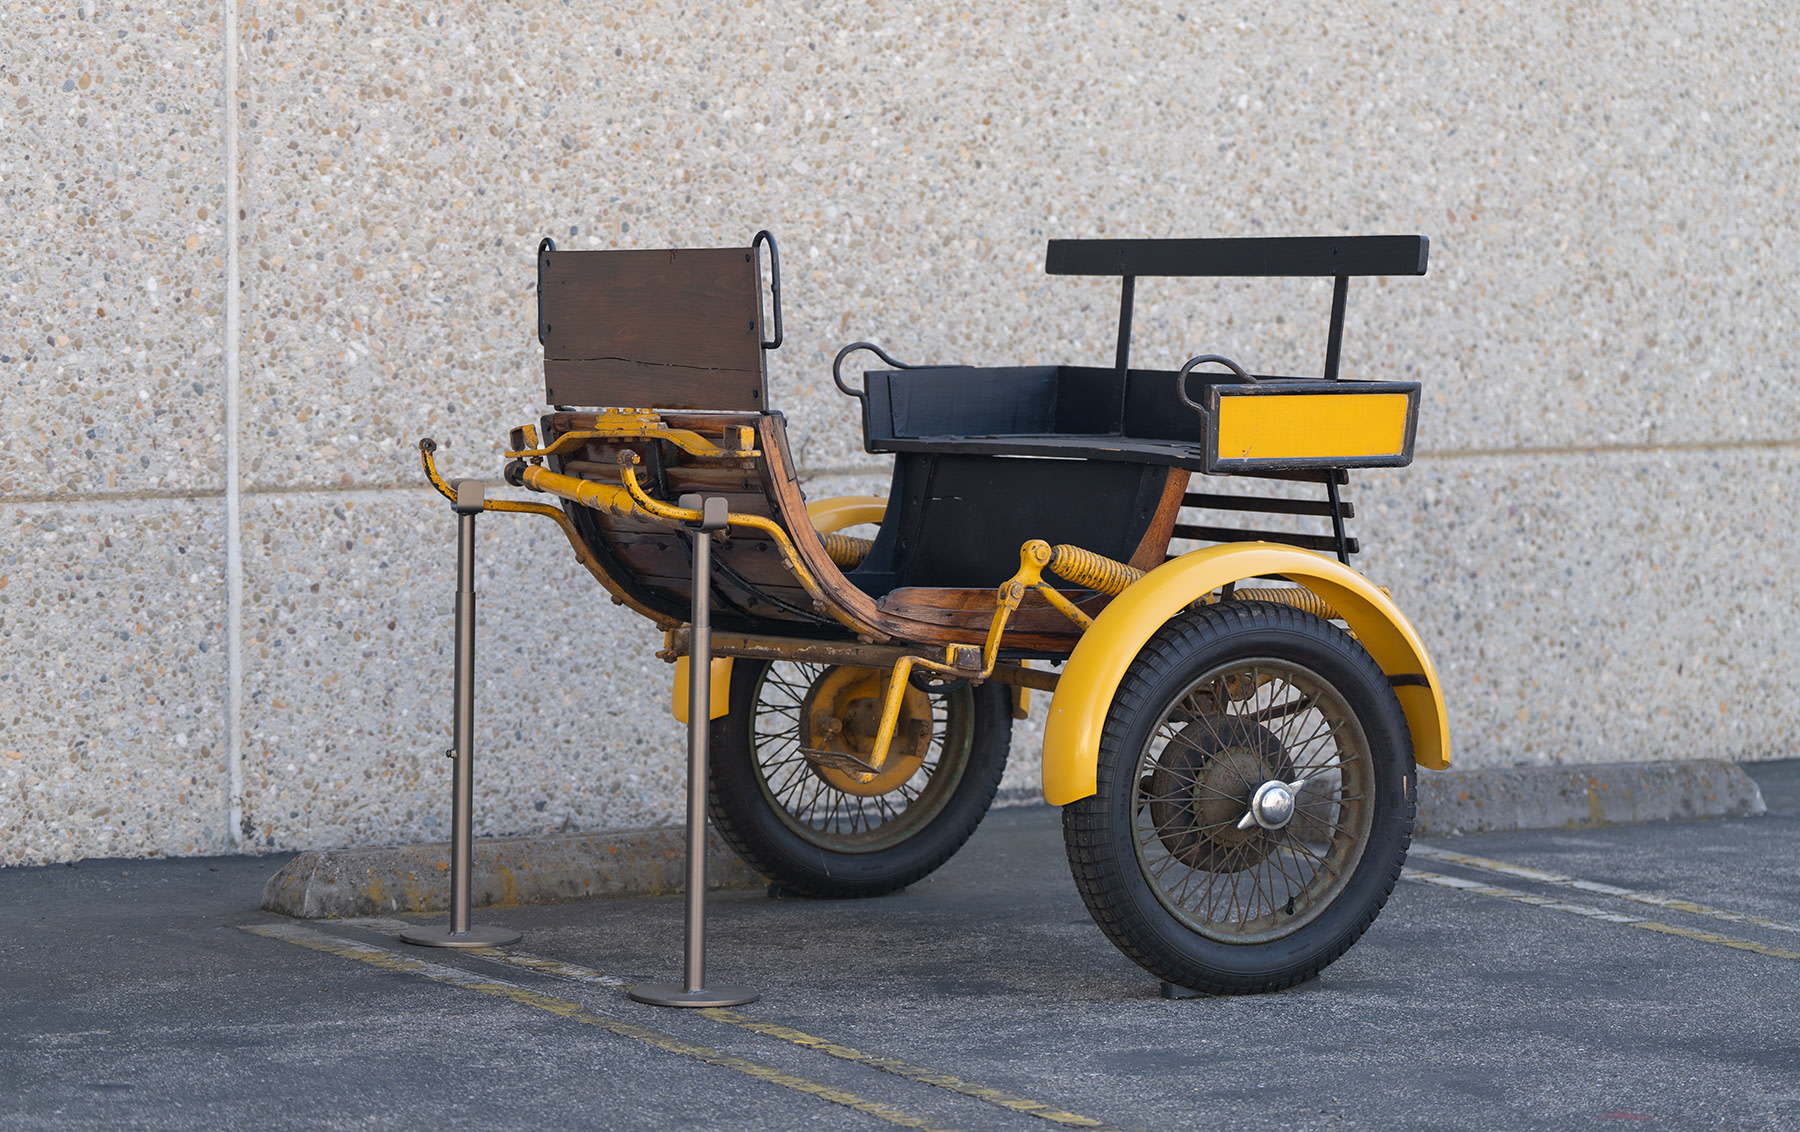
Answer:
x=1255 y=801
x=788 y=791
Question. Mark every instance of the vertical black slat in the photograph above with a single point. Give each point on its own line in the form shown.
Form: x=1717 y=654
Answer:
x=1334 y=339
x=1337 y=518
x=544 y=246
x=1127 y=291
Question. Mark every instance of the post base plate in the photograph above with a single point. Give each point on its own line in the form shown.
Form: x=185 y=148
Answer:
x=440 y=935
x=677 y=994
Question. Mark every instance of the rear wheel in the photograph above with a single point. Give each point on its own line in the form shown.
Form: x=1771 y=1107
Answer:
x=1255 y=800
x=790 y=790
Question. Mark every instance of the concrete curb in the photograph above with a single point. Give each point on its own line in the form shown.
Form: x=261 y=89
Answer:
x=1570 y=797
x=325 y=883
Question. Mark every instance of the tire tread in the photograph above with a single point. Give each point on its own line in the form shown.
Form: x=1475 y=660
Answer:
x=1092 y=840
x=806 y=870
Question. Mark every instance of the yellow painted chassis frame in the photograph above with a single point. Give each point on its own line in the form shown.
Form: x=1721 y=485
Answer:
x=1091 y=676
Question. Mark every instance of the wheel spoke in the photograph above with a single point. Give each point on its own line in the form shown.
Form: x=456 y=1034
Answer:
x=1335 y=828
x=1324 y=863
x=1294 y=887
x=804 y=795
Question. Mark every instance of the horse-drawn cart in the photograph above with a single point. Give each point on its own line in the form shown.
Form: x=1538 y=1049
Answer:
x=1233 y=730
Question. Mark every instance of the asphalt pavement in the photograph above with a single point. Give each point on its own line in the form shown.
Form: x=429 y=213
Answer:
x=1631 y=976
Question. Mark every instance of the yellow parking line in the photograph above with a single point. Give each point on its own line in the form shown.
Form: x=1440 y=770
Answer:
x=913 y=1072
x=1674 y=904
x=387 y=925
x=1592 y=913
x=381 y=957
x=546 y=966
x=921 y=1073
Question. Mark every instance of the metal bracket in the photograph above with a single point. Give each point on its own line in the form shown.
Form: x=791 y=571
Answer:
x=713 y=513
x=766 y=237
x=837 y=366
x=648 y=425
x=471 y=496
x=1203 y=359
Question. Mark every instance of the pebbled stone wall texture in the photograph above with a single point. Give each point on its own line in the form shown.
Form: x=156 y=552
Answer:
x=1595 y=540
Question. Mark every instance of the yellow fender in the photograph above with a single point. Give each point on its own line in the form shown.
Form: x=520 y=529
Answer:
x=827 y=515
x=842 y=511
x=1093 y=672
x=718 y=700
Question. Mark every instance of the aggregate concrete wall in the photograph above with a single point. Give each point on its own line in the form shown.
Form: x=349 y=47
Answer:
x=1595 y=539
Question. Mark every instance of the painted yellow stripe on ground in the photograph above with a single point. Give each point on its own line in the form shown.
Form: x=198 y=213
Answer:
x=1592 y=913
x=1674 y=904
x=387 y=925
x=921 y=1073
x=546 y=966
x=1721 y=940
x=575 y=1011
x=913 y=1072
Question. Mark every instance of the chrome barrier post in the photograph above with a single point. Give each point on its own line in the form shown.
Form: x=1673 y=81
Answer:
x=692 y=990
x=470 y=499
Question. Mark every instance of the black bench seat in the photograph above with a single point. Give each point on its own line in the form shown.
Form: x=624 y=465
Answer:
x=1072 y=412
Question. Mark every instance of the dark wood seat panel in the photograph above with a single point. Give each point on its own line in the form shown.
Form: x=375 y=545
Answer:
x=662 y=329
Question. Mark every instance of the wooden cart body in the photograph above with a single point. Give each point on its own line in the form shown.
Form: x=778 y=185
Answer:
x=669 y=346
x=1233 y=729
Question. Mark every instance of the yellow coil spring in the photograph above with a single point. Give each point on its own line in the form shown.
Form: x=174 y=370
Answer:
x=846 y=550
x=1096 y=572
x=1302 y=599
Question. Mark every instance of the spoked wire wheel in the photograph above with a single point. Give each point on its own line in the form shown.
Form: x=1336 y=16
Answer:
x=1254 y=800
x=795 y=793
x=1236 y=728
x=835 y=803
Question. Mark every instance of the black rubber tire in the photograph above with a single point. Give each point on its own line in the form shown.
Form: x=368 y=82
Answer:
x=956 y=794
x=1111 y=836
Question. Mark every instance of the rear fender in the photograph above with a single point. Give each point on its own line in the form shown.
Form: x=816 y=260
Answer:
x=842 y=511
x=1094 y=670
x=718 y=689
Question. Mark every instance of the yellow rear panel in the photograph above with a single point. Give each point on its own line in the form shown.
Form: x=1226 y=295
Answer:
x=1312 y=426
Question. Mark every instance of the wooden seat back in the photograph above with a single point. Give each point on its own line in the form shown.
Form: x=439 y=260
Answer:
x=666 y=329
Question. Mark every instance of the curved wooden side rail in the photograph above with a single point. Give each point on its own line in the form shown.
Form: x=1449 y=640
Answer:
x=775 y=573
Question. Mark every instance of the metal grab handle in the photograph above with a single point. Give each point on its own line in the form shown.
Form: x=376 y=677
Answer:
x=762 y=237
x=544 y=245
x=837 y=364
x=1181 y=378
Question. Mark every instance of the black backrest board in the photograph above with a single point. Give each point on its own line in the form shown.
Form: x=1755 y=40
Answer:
x=1336 y=257
x=1264 y=256
x=667 y=329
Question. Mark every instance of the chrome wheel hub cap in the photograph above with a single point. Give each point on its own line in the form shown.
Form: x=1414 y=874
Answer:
x=1272 y=806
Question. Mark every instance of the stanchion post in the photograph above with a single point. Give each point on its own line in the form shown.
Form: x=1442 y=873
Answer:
x=470 y=500
x=692 y=990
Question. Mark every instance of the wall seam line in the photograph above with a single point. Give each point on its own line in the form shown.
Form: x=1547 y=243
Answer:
x=236 y=832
